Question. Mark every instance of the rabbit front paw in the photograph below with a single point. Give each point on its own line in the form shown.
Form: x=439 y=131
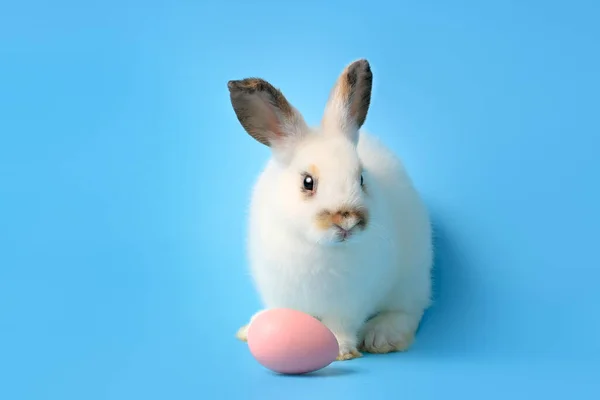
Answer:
x=389 y=332
x=348 y=353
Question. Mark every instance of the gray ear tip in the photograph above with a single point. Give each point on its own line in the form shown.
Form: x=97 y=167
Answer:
x=232 y=84
x=362 y=63
x=362 y=68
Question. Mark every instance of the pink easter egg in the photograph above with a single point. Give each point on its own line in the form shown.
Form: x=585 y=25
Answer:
x=291 y=342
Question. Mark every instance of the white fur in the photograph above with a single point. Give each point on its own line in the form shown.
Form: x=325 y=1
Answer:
x=383 y=271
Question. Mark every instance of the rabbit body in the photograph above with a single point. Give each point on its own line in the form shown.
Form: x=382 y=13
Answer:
x=336 y=228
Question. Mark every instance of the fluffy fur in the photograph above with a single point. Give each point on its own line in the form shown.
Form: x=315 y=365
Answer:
x=355 y=250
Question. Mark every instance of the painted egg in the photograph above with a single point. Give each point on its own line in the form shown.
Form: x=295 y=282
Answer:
x=291 y=342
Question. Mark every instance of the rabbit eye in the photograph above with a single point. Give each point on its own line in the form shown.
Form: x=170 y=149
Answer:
x=308 y=183
x=361 y=180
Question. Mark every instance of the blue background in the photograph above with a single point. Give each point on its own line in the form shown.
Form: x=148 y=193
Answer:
x=124 y=181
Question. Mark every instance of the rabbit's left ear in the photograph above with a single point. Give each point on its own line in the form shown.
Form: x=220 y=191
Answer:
x=349 y=101
x=265 y=113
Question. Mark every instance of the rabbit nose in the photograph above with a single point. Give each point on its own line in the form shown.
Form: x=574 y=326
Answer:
x=337 y=219
x=348 y=219
x=342 y=220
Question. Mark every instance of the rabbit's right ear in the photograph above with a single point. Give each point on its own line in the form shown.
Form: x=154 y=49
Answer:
x=265 y=113
x=349 y=101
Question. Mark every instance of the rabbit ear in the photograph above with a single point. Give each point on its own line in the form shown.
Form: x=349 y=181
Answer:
x=265 y=113
x=349 y=101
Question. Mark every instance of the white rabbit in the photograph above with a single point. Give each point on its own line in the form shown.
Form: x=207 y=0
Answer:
x=336 y=228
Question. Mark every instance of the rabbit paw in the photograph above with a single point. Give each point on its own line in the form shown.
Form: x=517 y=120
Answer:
x=242 y=333
x=347 y=345
x=389 y=332
x=344 y=330
x=348 y=354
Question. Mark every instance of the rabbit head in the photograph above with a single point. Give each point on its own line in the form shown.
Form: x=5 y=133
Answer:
x=320 y=188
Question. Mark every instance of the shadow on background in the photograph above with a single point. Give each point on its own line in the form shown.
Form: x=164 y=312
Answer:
x=449 y=327
x=330 y=371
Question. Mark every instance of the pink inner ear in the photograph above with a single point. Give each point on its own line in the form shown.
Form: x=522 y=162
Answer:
x=275 y=127
x=271 y=117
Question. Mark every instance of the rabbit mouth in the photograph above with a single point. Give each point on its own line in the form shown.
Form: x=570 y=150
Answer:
x=343 y=235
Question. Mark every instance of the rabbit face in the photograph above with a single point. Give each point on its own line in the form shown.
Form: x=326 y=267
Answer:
x=323 y=190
